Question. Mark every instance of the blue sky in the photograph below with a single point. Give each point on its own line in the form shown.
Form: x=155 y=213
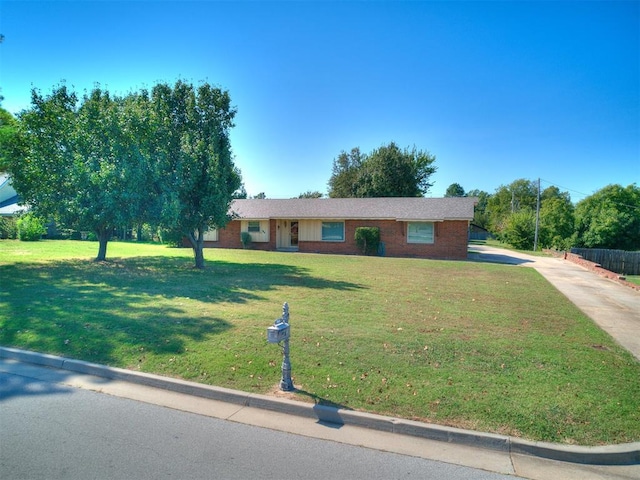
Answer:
x=497 y=91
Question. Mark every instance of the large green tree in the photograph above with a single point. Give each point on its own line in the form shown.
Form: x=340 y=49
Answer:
x=388 y=171
x=454 y=190
x=80 y=164
x=8 y=137
x=192 y=127
x=509 y=199
x=346 y=172
x=610 y=218
x=556 y=219
x=162 y=157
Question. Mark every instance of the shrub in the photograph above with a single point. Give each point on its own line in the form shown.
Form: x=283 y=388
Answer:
x=520 y=228
x=368 y=239
x=30 y=228
x=245 y=238
x=171 y=237
x=8 y=228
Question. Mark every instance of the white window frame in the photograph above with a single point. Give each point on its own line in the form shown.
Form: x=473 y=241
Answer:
x=418 y=232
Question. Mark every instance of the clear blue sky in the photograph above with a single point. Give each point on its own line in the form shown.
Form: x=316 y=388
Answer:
x=497 y=91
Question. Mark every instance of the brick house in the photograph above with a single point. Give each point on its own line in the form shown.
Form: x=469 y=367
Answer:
x=409 y=227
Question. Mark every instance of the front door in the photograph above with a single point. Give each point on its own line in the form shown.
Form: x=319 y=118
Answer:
x=287 y=234
x=294 y=233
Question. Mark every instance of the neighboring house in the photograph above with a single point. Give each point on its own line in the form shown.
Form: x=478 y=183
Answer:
x=8 y=198
x=409 y=227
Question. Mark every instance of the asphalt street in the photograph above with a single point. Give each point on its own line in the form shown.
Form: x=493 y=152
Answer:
x=52 y=431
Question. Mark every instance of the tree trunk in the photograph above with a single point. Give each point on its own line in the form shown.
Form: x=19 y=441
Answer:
x=199 y=255
x=103 y=238
x=197 y=244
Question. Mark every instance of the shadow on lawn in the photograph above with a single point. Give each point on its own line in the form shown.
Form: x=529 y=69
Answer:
x=103 y=312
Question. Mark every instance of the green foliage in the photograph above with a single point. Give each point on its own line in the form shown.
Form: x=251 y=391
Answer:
x=345 y=174
x=106 y=162
x=519 y=229
x=480 y=214
x=386 y=172
x=191 y=127
x=8 y=138
x=509 y=199
x=454 y=190
x=8 y=228
x=171 y=237
x=368 y=239
x=30 y=228
x=610 y=218
x=310 y=194
x=245 y=238
x=556 y=220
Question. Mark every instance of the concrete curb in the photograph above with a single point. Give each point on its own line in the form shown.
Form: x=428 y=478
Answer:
x=624 y=454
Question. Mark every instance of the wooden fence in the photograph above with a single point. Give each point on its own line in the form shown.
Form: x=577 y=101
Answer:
x=618 y=261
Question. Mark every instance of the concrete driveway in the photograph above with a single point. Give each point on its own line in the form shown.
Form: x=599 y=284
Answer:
x=614 y=307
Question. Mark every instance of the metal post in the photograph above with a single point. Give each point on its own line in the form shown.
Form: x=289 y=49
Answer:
x=286 y=384
x=535 y=237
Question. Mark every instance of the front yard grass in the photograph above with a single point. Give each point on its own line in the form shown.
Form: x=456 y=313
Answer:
x=487 y=347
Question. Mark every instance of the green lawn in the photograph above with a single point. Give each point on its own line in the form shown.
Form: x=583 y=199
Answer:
x=633 y=279
x=474 y=345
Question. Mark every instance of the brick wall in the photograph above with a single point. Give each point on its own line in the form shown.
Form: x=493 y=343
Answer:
x=451 y=239
x=594 y=267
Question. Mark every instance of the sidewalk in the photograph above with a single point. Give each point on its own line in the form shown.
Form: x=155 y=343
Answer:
x=612 y=306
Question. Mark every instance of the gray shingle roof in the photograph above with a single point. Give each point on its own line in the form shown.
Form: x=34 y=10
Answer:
x=387 y=208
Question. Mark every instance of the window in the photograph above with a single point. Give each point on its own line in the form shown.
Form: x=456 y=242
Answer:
x=254 y=226
x=332 y=231
x=420 y=232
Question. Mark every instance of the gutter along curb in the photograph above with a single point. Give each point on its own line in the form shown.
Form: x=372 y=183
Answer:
x=624 y=454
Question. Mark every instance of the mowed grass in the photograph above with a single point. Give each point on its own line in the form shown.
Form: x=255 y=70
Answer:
x=487 y=347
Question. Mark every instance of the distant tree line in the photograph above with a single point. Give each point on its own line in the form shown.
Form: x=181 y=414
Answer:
x=160 y=157
x=609 y=218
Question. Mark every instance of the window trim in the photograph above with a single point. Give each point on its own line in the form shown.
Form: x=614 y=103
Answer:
x=334 y=223
x=421 y=239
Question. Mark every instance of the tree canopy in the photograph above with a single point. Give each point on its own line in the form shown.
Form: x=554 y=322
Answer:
x=8 y=137
x=610 y=218
x=162 y=158
x=193 y=148
x=454 y=190
x=388 y=171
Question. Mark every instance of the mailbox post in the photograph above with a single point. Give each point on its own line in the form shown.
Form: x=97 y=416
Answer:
x=279 y=333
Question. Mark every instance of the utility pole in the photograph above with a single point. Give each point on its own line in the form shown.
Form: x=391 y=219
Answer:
x=535 y=239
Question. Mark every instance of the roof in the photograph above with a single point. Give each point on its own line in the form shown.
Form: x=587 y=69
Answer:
x=9 y=199
x=381 y=208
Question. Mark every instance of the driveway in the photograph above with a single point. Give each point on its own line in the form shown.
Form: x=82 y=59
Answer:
x=614 y=307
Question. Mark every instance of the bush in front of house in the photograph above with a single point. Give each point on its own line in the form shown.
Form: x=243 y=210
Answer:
x=368 y=239
x=8 y=228
x=30 y=228
x=245 y=238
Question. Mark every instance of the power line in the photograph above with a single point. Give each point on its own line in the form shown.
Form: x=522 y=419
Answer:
x=588 y=194
x=566 y=188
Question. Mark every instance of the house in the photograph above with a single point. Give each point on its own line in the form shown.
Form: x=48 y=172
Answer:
x=8 y=198
x=409 y=227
